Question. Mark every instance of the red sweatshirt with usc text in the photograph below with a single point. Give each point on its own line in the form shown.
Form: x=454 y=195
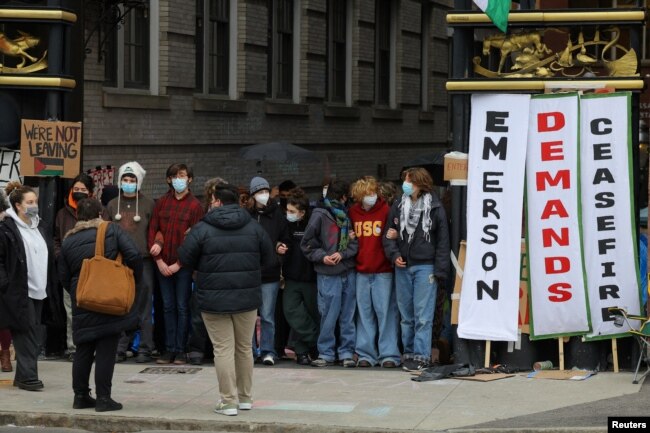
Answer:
x=369 y=226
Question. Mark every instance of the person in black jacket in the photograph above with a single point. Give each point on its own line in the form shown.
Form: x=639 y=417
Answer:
x=416 y=241
x=227 y=249
x=95 y=335
x=272 y=219
x=300 y=293
x=27 y=282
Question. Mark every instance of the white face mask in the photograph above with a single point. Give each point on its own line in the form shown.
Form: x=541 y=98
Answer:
x=262 y=198
x=370 y=200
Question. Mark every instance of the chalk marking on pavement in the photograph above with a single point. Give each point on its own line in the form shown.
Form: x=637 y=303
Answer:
x=304 y=407
x=381 y=411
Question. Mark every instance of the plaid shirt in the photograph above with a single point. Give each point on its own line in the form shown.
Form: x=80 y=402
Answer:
x=173 y=218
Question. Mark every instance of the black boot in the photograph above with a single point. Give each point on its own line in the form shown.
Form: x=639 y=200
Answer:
x=83 y=400
x=106 y=404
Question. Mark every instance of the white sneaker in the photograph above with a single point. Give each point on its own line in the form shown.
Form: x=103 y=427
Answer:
x=245 y=405
x=268 y=360
x=226 y=409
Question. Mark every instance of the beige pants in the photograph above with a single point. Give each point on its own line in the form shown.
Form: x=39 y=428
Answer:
x=232 y=336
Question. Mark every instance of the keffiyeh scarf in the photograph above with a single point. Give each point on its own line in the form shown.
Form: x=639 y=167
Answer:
x=410 y=216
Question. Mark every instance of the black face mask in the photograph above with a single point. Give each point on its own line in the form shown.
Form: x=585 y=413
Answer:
x=78 y=196
x=283 y=203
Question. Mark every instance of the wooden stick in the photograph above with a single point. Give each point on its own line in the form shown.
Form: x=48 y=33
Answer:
x=561 y=352
x=488 y=348
x=615 y=354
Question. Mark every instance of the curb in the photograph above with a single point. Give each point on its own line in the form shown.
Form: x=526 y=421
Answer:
x=118 y=424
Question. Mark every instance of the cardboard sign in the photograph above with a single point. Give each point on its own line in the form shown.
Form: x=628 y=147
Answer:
x=523 y=321
x=50 y=148
x=456 y=168
x=9 y=166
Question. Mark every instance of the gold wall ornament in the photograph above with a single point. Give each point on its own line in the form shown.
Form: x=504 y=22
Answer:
x=19 y=47
x=532 y=58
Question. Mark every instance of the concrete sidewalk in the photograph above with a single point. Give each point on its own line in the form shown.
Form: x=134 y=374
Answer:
x=301 y=399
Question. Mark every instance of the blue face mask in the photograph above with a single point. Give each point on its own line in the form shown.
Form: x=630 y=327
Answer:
x=292 y=217
x=179 y=185
x=129 y=188
x=407 y=187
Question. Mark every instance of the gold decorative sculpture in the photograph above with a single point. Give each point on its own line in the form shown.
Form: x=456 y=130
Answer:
x=532 y=58
x=18 y=47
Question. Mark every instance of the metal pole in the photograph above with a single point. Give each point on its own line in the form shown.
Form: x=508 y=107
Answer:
x=47 y=185
x=461 y=53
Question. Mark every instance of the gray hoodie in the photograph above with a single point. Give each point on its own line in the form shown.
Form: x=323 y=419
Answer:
x=321 y=239
x=36 y=254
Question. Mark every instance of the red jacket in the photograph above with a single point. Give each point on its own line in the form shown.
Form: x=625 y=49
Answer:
x=369 y=226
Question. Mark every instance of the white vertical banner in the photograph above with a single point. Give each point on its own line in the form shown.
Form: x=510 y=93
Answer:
x=489 y=301
x=558 y=295
x=609 y=234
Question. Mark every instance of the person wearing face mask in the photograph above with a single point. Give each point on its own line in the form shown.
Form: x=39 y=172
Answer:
x=27 y=282
x=377 y=316
x=132 y=211
x=228 y=250
x=299 y=298
x=272 y=219
x=66 y=218
x=284 y=190
x=173 y=216
x=416 y=240
x=330 y=243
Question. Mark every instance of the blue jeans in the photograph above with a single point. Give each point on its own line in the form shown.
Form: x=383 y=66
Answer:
x=416 y=299
x=336 y=302
x=267 y=321
x=176 y=291
x=377 y=314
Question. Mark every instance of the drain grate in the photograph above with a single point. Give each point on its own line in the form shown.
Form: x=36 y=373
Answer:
x=171 y=370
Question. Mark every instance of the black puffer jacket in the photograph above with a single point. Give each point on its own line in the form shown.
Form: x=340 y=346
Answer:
x=274 y=222
x=228 y=250
x=14 y=298
x=78 y=245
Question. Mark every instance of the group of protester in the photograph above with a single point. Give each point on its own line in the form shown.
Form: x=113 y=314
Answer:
x=359 y=269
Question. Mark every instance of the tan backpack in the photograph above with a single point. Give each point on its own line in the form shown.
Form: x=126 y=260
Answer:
x=105 y=286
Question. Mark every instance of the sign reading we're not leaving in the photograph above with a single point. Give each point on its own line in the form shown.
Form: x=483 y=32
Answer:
x=50 y=148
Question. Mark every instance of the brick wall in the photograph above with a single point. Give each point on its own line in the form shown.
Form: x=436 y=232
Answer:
x=209 y=140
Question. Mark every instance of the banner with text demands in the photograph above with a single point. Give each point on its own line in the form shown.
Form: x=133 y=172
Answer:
x=608 y=223
x=558 y=294
x=489 y=300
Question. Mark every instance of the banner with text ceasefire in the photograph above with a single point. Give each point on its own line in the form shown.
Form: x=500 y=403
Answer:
x=558 y=294
x=489 y=302
x=608 y=222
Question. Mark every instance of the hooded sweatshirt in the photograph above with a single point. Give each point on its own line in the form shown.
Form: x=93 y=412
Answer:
x=321 y=239
x=369 y=226
x=36 y=254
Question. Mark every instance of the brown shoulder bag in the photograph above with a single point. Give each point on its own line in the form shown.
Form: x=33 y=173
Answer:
x=105 y=286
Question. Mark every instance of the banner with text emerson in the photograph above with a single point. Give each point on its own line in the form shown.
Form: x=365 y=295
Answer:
x=557 y=289
x=489 y=300
x=608 y=220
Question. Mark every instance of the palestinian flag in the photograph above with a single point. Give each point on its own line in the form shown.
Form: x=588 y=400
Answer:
x=497 y=11
x=48 y=166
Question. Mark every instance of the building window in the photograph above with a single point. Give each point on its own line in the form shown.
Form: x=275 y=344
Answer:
x=384 y=58
x=425 y=36
x=283 y=48
x=214 y=46
x=128 y=56
x=337 y=50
